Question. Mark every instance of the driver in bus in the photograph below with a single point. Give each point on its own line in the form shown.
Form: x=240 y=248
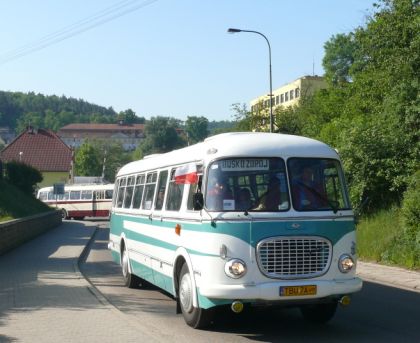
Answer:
x=307 y=192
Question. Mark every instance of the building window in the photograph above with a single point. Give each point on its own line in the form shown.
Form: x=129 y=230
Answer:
x=277 y=99
x=297 y=93
x=292 y=93
x=281 y=98
x=286 y=96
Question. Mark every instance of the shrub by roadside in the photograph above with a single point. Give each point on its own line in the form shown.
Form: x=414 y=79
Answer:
x=16 y=204
x=393 y=236
x=406 y=246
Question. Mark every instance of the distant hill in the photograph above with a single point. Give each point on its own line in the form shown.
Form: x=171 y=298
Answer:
x=18 y=110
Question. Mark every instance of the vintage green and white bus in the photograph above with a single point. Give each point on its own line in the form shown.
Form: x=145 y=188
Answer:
x=240 y=219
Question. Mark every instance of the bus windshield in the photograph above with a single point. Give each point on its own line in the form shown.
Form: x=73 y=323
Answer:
x=317 y=184
x=247 y=184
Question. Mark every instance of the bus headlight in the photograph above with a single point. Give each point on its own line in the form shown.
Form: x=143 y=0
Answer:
x=235 y=268
x=345 y=263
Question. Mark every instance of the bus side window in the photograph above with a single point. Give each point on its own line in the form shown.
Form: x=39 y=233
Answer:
x=108 y=193
x=149 y=191
x=74 y=195
x=194 y=188
x=138 y=191
x=129 y=192
x=121 y=189
x=163 y=177
x=175 y=193
x=51 y=196
x=86 y=195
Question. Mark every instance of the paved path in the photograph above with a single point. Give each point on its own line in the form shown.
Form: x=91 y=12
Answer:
x=390 y=276
x=44 y=298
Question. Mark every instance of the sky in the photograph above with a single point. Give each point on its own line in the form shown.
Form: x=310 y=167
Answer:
x=170 y=58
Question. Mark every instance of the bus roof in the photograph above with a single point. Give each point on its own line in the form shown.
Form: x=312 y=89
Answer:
x=235 y=144
x=81 y=186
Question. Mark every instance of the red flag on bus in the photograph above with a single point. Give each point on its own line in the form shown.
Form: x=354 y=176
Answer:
x=186 y=174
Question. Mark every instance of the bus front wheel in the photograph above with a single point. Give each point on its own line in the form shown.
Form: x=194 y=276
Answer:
x=130 y=280
x=319 y=313
x=64 y=214
x=195 y=317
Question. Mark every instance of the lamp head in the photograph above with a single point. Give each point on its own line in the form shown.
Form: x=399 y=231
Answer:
x=231 y=30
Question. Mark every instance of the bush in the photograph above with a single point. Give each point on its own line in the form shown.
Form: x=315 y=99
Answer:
x=22 y=176
x=406 y=246
x=411 y=205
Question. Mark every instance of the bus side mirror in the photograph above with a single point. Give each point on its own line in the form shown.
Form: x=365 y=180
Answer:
x=198 y=201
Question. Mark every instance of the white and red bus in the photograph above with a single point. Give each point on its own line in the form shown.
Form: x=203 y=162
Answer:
x=79 y=201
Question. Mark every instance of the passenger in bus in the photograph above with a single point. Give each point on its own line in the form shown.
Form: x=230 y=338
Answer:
x=217 y=194
x=308 y=194
x=270 y=201
x=160 y=198
x=244 y=201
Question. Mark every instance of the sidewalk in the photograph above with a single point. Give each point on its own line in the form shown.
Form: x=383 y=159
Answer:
x=44 y=298
x=389 y=276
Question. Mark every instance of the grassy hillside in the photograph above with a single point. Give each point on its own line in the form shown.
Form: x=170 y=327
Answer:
x=382 y=238
x=15 y=204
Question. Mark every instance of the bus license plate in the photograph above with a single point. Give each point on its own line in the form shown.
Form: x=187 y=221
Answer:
x=293 y=291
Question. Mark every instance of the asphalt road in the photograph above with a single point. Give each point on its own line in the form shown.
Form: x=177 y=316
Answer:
x=377 y=314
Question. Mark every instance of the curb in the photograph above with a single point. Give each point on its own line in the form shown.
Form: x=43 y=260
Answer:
x=91 y=287
x=389 y=276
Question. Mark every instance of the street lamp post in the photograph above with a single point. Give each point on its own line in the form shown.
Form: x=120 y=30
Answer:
x=231 y=30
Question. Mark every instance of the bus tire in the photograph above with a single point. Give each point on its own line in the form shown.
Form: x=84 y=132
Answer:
x=130 y=280
x=197 y=318
x=319 y=313
x=64 y=214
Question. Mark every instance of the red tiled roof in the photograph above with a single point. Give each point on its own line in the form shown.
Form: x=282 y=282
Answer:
x=102 y=127
x=41 y=149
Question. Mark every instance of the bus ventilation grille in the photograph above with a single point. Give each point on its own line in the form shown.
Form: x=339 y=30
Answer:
x=294 y=257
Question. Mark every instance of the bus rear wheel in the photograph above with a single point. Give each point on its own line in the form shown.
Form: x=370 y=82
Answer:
x=197 y=318
x=130 y=280
x=319 y=313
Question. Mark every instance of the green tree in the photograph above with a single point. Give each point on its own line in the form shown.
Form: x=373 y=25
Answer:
x=51 y=120
x=23 y=176
x=33 y=119
x=243 y=119
x=339 y=58
x=161 y=136
x=114 y=158
x=196 y=129
x=88 y=160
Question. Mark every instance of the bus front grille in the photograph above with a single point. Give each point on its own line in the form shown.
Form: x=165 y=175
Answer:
x=294 y=257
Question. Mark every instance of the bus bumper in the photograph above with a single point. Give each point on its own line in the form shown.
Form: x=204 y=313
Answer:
x=271 y=291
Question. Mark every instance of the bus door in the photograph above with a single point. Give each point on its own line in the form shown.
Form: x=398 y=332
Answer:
x=96 y=195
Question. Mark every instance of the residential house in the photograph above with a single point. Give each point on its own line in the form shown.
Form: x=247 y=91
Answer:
x=43 y=150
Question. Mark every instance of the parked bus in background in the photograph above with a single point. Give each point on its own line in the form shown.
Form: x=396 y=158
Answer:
x=80 y=200
x=240 y=219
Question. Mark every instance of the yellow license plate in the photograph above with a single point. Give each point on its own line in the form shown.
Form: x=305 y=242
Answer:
x=294 y=291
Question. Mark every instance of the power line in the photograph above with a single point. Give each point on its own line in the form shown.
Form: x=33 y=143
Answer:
x=110 y=13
